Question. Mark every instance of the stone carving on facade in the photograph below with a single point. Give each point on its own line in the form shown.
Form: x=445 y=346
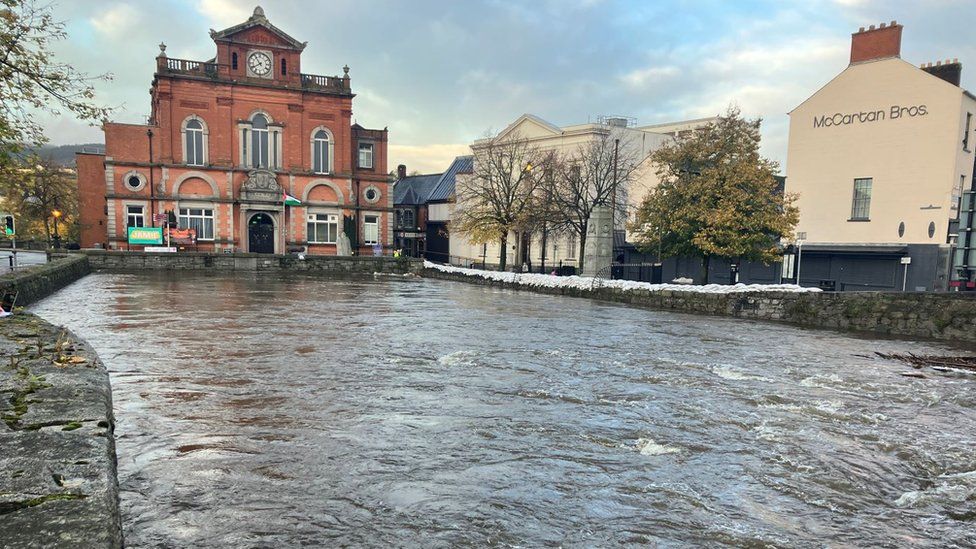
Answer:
x=344 y=247
x=261 y=186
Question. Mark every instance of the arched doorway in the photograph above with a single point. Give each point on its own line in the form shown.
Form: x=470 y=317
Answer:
x=260 y=234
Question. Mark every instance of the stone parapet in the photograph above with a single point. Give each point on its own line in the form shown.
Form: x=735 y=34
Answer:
x=40 y=281
x=943 y=316
x=105 y=260
x=58 y=483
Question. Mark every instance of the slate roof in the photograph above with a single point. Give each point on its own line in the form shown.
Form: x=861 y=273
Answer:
x=445 y=187
x=413 y=190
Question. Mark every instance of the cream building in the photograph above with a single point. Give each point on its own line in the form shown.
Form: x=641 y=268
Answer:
x=879 y=156
x=639 y=141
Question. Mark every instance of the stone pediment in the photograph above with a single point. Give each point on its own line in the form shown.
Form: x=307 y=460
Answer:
x=257 y=30
x=262 y=186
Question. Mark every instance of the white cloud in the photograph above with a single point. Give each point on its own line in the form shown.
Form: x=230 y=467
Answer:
x=224 y=13
x=639 y=78
x=426 y=158
x=116 y=21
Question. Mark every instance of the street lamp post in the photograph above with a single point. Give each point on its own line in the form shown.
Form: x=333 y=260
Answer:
x=56 y=214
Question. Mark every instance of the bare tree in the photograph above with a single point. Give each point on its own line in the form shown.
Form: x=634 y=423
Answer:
x=498 y=197
x=598 y=172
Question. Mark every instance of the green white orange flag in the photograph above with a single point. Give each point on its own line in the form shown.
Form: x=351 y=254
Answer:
x=290 y=200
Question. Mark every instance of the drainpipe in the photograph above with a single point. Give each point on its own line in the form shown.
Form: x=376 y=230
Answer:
x=152 y=183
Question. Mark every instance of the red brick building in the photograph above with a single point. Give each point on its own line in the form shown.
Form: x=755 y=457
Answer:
x=227 y=138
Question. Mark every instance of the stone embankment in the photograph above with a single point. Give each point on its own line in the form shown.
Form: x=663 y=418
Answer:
x=944 y=316
x=41 y=281
x=107 y=260
x=58 y=484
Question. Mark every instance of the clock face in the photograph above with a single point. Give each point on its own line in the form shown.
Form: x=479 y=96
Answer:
x=259 y=63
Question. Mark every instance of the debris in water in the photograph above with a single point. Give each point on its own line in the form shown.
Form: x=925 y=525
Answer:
x=937 y=362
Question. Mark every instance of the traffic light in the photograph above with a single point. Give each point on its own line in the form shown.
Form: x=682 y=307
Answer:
x=8 y=225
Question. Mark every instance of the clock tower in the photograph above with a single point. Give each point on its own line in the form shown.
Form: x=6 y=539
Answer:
x=245 y=153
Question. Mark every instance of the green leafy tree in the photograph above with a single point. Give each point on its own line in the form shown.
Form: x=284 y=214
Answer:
x=717 y=197
x=32 y=80
x=32 y=189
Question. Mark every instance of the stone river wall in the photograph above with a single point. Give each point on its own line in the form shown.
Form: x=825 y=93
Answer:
x=58 y=484
x=944 y=316
x=105 y=260
x=37 y=282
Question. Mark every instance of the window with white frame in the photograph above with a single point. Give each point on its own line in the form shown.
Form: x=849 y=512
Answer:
x=321 y=152
x=365 y=155
x=260 y=148
x=371 y=229
x=408 y=221
x=201 y=219
x=571 y=246
x=323 y=228
x=135 y=216
x=193 y=154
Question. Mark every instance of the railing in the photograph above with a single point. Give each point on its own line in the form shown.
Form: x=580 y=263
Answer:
x=186 y=66
x=327 y=83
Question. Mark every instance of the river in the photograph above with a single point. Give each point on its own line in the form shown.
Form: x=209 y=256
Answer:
x=258 y=410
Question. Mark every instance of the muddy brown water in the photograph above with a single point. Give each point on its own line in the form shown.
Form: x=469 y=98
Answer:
x=260 y=411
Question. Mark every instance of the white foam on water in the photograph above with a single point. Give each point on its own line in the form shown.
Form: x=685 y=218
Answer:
x=647 y=447
x=725 y=371
x=458 y=358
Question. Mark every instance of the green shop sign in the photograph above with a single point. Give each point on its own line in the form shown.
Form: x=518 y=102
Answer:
x=146 y=235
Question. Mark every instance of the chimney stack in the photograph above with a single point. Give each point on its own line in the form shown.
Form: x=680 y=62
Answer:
x=876 y=42
x=950 y=71
x=401 y=171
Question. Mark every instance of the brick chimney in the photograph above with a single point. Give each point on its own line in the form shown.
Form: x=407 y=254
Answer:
x=950 y=71
x=401 y=171
x=876 y=43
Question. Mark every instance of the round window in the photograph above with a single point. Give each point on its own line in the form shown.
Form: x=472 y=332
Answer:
x=901 y=229
x=372 y=194
x=133 y=182
x=931 y=229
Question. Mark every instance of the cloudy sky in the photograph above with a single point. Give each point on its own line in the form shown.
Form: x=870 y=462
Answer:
x=441 y=73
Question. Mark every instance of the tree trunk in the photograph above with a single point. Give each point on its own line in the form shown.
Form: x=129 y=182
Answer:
x=503 y=252
x=706 y=263
x=582 y=249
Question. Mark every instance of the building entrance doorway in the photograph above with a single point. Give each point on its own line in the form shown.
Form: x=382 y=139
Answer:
x=260 y=234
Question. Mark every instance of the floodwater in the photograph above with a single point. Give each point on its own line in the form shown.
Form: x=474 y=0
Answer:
x=260 y=411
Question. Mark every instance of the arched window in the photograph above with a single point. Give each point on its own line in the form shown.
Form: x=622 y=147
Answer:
x=321 y=152
x=284 y=67
x=233 y=61
x=193 y=141
x=259 y=142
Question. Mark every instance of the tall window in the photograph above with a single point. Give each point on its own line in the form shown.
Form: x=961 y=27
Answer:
x=201 y=219
x=233 y=61
x=321 y=160
x=965 y=136
x=571 y=246
x=323 y=228
x=861 y=206
x=259 y=142
x=365 y=155
x=284 y=68
x=408 y=218
x=194 y=143
x=135 y=216
x=371 y=229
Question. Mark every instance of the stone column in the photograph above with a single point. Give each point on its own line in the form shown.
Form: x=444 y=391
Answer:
x=598 y=252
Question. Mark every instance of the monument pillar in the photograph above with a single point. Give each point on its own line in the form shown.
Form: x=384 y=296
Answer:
x=598 y=251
